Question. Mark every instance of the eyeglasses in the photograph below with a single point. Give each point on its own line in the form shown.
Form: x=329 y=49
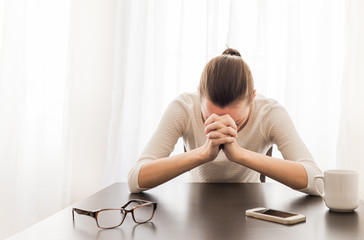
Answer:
x=142 y=211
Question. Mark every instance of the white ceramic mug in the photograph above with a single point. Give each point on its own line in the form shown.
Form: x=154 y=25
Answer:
x=341 y=189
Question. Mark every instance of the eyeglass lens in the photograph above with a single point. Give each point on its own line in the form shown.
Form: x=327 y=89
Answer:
x=114 y=217
x=110 y=218
x=143 y=213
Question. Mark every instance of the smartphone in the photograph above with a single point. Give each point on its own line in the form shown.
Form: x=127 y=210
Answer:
x=277 y=216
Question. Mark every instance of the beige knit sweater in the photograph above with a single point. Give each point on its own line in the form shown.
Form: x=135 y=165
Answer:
x=269 y=124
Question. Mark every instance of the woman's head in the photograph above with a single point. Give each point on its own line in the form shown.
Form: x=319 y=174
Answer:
x=227 y=87
x=227 y=79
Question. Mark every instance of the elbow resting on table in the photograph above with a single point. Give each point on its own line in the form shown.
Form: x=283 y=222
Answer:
x=133 y=181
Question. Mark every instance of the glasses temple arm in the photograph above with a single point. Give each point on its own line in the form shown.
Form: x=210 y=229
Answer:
x=140 y=202
x=82 y=212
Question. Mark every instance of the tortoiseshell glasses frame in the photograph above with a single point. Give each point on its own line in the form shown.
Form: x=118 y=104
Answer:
x=142 y=213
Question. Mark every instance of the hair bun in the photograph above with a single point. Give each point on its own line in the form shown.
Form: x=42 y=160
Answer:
x=232 y=52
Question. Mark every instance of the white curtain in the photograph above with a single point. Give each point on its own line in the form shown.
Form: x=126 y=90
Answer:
x=34 y=174
x=56 y=75
x=294 y=48
x=350 y=153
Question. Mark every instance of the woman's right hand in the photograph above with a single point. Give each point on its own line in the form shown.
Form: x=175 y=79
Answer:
x=211 y=148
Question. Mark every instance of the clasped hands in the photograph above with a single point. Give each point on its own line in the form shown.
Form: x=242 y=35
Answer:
x=221 y=132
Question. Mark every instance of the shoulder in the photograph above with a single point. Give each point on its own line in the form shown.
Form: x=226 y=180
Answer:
x=182 y=109
x=273 y=117
x=270 y=113
x=188 y=100
x=266 y=106
x=186 y=103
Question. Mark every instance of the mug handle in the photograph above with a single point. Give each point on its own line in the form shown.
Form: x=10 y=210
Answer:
x=316 y=178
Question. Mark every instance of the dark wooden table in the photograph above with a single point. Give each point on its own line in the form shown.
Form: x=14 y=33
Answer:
x=205 y=211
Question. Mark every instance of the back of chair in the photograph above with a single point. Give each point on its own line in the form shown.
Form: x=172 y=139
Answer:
x=269 y=153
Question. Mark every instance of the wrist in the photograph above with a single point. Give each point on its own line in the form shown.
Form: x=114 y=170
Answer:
x=234 y=152
x=201 y=155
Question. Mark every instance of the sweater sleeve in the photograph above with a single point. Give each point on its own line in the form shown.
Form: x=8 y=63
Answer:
x=171 y=127
x=283 y=134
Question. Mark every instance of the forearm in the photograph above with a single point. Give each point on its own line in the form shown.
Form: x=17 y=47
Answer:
x=159 y=171
x=290 y=173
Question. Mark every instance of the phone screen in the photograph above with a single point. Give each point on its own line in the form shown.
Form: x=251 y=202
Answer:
x=277 y=213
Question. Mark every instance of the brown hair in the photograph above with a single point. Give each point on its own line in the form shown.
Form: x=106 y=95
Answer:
x=227 y=78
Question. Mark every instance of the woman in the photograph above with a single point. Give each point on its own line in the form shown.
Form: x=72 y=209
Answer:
x=227 y=129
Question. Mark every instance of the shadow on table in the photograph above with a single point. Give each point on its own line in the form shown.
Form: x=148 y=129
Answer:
x=343 y=224
x=115 y=233
x=143 y=196
x=304 y=201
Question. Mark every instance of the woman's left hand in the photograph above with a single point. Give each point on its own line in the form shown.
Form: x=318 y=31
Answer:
x=233 y=151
